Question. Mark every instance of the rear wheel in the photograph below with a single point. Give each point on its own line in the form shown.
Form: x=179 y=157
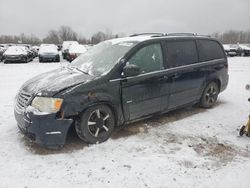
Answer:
x=242 y=130
x=210 y=95
x=96 y=124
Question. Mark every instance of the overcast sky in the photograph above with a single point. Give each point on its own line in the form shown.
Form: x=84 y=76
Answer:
x=123 y=16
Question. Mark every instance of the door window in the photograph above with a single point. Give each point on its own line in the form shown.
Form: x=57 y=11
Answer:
x=148 y=58
x=181 y=53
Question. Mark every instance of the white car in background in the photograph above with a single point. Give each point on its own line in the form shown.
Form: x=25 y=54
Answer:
x=48 y=53
x=76 y=50
x=65 y=47
x=17 y=54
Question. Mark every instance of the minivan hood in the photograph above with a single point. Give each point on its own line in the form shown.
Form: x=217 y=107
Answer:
x=50 y=83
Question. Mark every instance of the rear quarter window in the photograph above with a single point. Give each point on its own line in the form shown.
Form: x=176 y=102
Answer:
x=209 y=50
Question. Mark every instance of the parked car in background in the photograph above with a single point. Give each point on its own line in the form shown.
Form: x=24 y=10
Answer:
x=48 y=53
x=65 y=47
x=2 y=50
x=231 y=50
x=118 y=82
x=243 y=50
x=15 y=54
x=35 y=50
x=75 y=50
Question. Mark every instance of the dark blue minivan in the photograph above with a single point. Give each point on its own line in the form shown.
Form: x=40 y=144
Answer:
x=121 y=81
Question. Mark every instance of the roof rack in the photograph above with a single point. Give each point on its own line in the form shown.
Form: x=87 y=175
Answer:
x=167 y=34
x=151 y=34
x=181 y=34
x=185 y=34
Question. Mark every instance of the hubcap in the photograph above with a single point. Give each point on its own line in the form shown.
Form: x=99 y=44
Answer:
x=98 y=122
x=211 y=95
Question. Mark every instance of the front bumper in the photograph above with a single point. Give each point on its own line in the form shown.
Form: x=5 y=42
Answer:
x=45 y=130
x=15 y=59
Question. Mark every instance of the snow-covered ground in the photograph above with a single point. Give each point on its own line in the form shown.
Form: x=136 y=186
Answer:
x=192 y=147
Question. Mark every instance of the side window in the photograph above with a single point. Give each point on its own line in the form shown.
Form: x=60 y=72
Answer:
x=209 y=50
x=181 y=53
x=148 y=58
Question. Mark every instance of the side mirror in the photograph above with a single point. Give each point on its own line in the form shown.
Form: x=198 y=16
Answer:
x=131 y=70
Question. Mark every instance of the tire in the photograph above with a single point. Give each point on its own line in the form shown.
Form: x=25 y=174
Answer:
x=242 y=130
x=96 y=124
x=26 y=60
x=40 y=60
x=209 y=95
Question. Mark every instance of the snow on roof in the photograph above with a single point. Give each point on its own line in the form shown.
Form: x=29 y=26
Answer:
x=226 y=46
x=245 y=47
x=48 y=48
x=16 y=50
x=66 y=44
x=130 y=39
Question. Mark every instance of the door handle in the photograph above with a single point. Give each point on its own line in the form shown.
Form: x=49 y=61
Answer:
x=176 y=75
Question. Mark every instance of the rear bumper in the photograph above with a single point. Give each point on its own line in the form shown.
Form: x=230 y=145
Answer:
x=225 y=83
x=45 y=130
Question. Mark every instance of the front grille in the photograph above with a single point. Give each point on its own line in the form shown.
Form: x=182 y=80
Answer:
x=22 y=101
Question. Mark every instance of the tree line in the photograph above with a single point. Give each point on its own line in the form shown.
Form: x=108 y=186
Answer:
x=233 y=37
x=64 y=33
x=67 y=33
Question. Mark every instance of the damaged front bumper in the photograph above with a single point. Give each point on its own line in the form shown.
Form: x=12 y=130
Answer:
x=44 y=129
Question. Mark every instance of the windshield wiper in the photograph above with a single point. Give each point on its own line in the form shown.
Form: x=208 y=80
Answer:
x=80 y=70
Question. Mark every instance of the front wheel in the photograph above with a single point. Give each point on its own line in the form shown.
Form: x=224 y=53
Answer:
x=210 y=95
x=96 y=124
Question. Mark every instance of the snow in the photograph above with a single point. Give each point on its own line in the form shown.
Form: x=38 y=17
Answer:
x=67 y=44
x=16 y=50
x=77 y=48
x=49 y=48
x=191 y=147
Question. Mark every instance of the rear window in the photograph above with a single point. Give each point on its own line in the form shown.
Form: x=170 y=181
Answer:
x=209 y=50
x=179 y=53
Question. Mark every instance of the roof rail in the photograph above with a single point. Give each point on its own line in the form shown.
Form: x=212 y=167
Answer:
x=181 y=34
x=151 y=34
x=185 y=34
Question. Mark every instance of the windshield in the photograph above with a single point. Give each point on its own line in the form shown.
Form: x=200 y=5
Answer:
x=101 y=58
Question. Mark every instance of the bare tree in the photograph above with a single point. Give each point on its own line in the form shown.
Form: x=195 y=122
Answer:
x=66 y=33
x=52 y=37
x=233 y=37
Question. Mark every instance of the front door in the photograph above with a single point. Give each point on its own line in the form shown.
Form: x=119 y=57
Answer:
x=141 y=94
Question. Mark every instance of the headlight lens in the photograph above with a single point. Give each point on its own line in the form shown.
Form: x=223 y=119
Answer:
x=46 y=104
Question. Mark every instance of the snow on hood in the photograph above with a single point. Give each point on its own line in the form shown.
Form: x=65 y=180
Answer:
x=50 y=83
x=16 y=50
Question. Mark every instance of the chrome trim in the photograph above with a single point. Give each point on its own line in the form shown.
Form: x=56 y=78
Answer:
x=170 y=70
x=56 y=132
x=22 y=100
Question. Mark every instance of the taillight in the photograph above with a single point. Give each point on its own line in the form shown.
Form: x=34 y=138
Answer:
x=226 y=66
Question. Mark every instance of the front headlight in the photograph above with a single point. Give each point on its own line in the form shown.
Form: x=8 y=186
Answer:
x=46 y=104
